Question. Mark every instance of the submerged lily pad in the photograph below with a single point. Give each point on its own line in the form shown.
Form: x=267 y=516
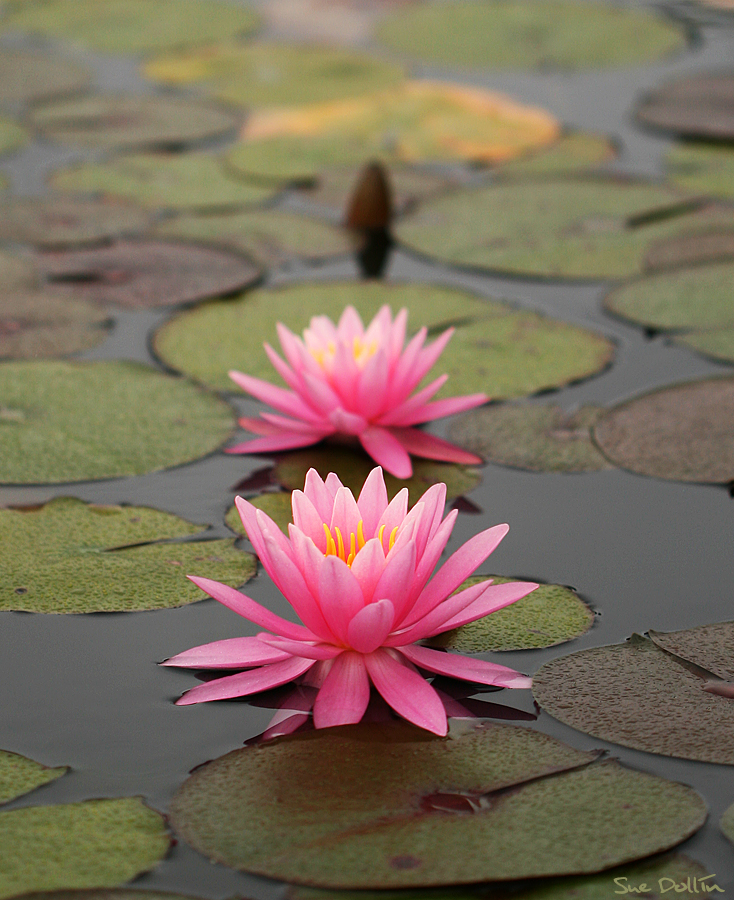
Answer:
x=574 y=228
x=132 y=26
x=707 y=168
x=19 y=775
x=550 y=615
x=27 y=76
x=97 y=843
x=64 y=421
x=539 y=438
x=375 y=801
x=495 y=349
x=12 y=136
x=139 y=274
x=574 y=152
x=697 y=106
x=164 y=181
x=418 y=121
x=727 y=823
x=262 y=74
x=70 y=557
x=637 y=695
x=684 y=432
x=520 y=34
x=277 y=505
x=122 y=121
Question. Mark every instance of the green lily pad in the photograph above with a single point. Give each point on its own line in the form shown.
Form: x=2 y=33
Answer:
x=727 y=823
x=272 y=237
x=126 y=122
x=538 y=438
x=637 y=695
x=27 y=76
x=496 y=349
x=64 y=421
x=517 y=34
x=551 y=615
x=684 y=432
x=573 y=228
x=12 y=136
x=132 y=26
x=164 y=181
x=574 y=152
x=718 y=344
x=70 y=557
x=97 y=843
x=276 y=505
x=707 y=168
x=19 y=775
x=367 y=806
x=263 y=74
x=700 y=106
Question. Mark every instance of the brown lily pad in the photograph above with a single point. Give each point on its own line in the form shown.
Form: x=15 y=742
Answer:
x=140 y=274
x=708 y=646
x=684 y=432
x=17 y=272
x=690 y=250
x=699 y=106
x=27 y=76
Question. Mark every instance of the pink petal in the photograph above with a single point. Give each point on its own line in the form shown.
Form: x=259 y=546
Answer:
x=347 y=422
x=440 y=408
x=332 y=485
x=279 y=398
x=371 y=625
x=397 y=335
x=394 y=515
x=304 y=649
x=430 y=354
x=284 y=423
x=427 y=563
x=345 y=693
x=495 y=597
x=386 y=451
x=396 y=415
x=477 y=670
x=431 y=623
x=350 y=325
x=231 y=653
x=419 y=443
x=320 y=394
x=345 y=375
x=367 y=567
x=340 y=595
x=372 y=501
x=284 y=722
x=307 y=557
x=262 y=426
x=319 y=495
x=246 y=682
x=307 y=519
x=372 y=384
x=290 y=377
x=407 y=692
x=345 y=514
x=282 y=441
x=395 y=580
x=402 y=382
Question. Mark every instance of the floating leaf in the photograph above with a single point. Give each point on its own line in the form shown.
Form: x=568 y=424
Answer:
x=19 y=775
x=551 y=615
x=684 y=432
x=387 y=807
x=264 y=75
x=698 y=106
x=708 y=646
x=694 y=249
x=139 y=274
x=272 y=237
x=718 y=344
x=574 y=152
x=97 y=843
x=64 y=221
x=12 y=136
x=17 y=272
x=706 y=168
x=418 y=121
x=121 y=121
x=70 y=557
x=63 y=421
x=575 y=228
x=637 y=695
x=164 y=181
x=495 y=349
x=539 y=438
x=326 y=21
x=102 y=894
x=518 y=34
x=275 y=505
x=132 y=26
x=27 y=76
x=727 y=823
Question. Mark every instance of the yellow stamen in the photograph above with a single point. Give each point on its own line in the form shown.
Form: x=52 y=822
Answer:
x=360 y=535
x=380 y=533
x=342 y=555
x=330 y=545
x=393 y=535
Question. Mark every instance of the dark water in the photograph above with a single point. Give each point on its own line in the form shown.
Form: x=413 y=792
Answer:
x=85 y=691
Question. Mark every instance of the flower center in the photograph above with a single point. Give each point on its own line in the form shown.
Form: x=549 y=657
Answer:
x=362 y=351
x=336 y=546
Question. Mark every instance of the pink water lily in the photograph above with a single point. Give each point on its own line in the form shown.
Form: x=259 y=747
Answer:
x=358 y=574
x=358 y=382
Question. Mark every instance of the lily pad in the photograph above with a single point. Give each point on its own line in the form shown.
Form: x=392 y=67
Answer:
x=164 y=181
x=708 y=646
x=637 y=695
x=64 y=421
x=132 y=26
x=574 y=152
x=727 y=823
x=573 y=228
x=102 y=894
x=125 y=122
x=496 y=349
x=277 y=505
x=264 y=75
x=706 y=168
x=271 y=237
x=698 y=106
x=19 y=775
x=551 y=615
x=65 y=221
x=425 y=811
x=97 y=843
x=326 y=21
x=70 y=557
x=684 y=432
x=418 y=121
x=27 y=76
x=538 y=438
x=140 y=274
x=699 y=248
x=17 y=272
x=519 y=34
x=718 y=343
x=12 y=136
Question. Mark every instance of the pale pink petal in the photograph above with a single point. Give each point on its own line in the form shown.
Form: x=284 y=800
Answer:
x=270 y=530
x=248 y=516
x=431 y=623
x=345 y=375
x=372 y=501
x=284 y=722
x=340 y=596
x=231 y=653
x=372 y=384
x=291 y=346
x=345 y=515
x=304 y=649
x=244 y=683
x=396 y=577
x=279 y=398
x=477 y=670
x=370 y=626
x=379 y=327
x=307 y=519
x=427 y=563
x=407 y=692
x=284 y=423
x=316 y=676
x=393 y=516
x=722 y=688
x=367 y=567
x=387 y=451
x=397 y=415
x=495 y=597
x=397 y=336
x=433 y=503
x=345 y=693
x=350 y=325
x=401 y=383
x=319 y=494
x=282 y=441
x=307 y=557
x=320 y=394
x=291 y=378
x=347 y=422
x=428 y=356
x=428 y=446
x=440 y=408
x=332 y=485
x=262 y=426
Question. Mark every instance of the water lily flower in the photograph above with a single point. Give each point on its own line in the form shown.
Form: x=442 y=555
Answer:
x=358 y=575
x=350 y=381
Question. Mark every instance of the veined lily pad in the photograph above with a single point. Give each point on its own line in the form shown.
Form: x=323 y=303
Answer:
x=63 y=421
x=97 y=843
x=70 y=557
x=495 y=349
x=637 y=695
x=706 y=168
x=12 y=136
x=518 y=34
x=684 y=432
x=277 y=505
x=574 y=152
x=121 y=121
x=375 y=801
x=264 y=75
x=27 y=76
x=574 y=228
x=550 y=615
x=727 y=823
x=419 y=121
x=164 y=181
x=133 y=26
x=708 y=646
x=698 y=106
x=19 y=775
x=539 y=438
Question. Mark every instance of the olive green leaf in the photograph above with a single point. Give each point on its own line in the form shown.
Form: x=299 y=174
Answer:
x=577 y=151
x=708 y=168
x=727 y=823
x=276 y=505
x=19 y=775
x=718 y=343
x=12 y=136
x=28 y=76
